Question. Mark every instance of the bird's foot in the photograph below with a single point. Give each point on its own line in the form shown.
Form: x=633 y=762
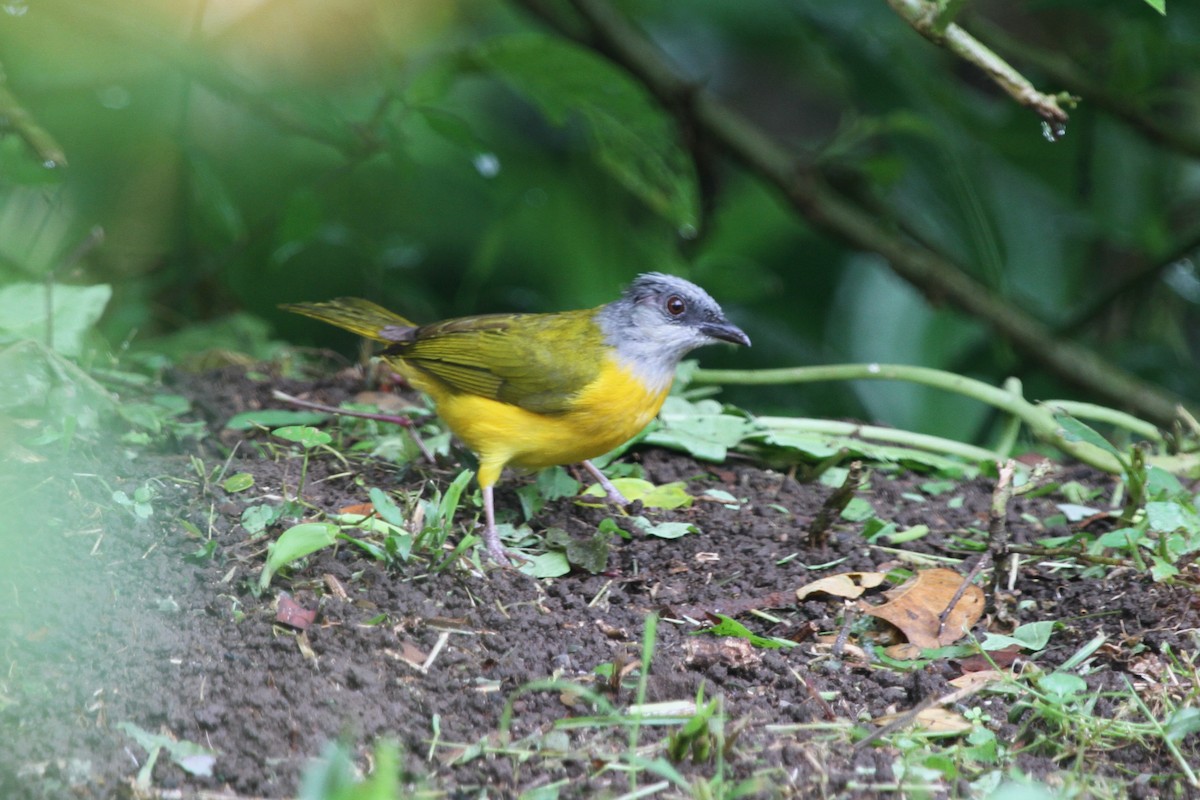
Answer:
x=498 y=552
x=610 y=491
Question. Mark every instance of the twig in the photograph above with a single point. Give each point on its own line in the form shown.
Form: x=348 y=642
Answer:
x=14 y=116
x=403 y=422
x=849 y=615
x=826 y=709
x=930 y=21
x=834 y=505
x=980 y=564
x=998 y=534
x=1068 y=552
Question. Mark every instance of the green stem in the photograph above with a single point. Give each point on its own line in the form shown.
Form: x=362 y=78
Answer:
x=1038 y=418
x=917 y=441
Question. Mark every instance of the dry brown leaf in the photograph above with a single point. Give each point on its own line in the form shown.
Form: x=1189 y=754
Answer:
x=611 y=631
x=905 y=651
x=728 y=650
x=844 y=584
x=914 y=608
x=979 y=662
x=934 y=720
x=981 y=678
x=289 y=612
x=358 y=510
x=849 y=652
x=410 y=654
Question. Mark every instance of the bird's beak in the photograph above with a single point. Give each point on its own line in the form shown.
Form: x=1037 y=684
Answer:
x=726 y=332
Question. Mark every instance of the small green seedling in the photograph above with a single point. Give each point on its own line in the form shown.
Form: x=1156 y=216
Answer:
x=308 y=438
x=697 y=736
x=140 y=504
x=191 y=757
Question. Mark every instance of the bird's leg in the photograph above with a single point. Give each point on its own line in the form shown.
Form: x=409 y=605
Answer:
x=491 y=537
x=614 y=496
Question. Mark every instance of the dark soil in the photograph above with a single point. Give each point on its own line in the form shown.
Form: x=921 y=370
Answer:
x=105 y=619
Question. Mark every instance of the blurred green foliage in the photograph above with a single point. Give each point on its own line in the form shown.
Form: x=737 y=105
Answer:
x=447 y=158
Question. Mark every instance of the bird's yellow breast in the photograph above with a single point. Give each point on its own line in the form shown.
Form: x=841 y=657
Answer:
x=607 y=412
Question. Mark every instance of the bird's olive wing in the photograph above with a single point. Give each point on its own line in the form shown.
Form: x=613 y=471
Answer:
x=536 y=361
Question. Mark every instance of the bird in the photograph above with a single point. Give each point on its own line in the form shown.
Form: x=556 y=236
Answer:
x=536 y=390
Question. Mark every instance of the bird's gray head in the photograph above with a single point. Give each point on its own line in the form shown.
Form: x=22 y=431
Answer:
x=660 y=319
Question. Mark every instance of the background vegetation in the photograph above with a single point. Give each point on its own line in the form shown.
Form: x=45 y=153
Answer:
x=849 y=189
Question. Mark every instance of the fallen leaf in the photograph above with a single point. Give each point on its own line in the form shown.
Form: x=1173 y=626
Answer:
x=305 y=647
x=611 y=631
x=1001 y=658
x=289 y=612
x=358 y=510
x=845 y=584
x=934 y=720
x=729 y=651
x=849 y=652
x=905 y=651
x=980 y=678
x=914 y=608
x=410 y=654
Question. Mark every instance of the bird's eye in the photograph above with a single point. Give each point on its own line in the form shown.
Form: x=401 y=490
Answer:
x=675 y=305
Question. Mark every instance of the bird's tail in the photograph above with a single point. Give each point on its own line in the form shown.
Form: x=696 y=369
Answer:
x=357 y=316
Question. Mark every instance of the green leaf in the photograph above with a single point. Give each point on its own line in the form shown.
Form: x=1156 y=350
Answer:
x=1161 y=569
x=1030 y=636
x=1182 y=722
x=934 y=488
x=589 y=553
x=701 y=429
x=1034 y=635
x=664 y=530
x=304 y=435
x=634 y=140
x=1062 y=685
x=551 y=564
x=1162 y=485
x=731 y=627
x=73 y=310
x=1075 y=431
x=858 y=510
x=386 y=507
x=666 y=496
x=294 y=543
x=238 y=483
x=256 y=518
x=191 y=757
x=1158 y=5
x=1169 y=517
x=273 y=417
x=555 y=483
x=1121 y=538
